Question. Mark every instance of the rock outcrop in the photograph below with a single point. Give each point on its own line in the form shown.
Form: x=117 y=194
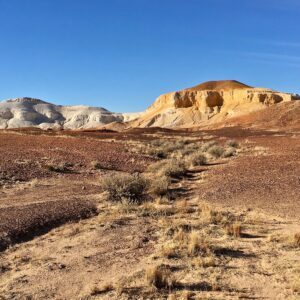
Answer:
x=212 y=101
x=29 y=112
x=207 y=103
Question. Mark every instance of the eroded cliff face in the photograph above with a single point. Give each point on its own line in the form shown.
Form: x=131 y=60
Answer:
x=191 y=106
x=29 y=112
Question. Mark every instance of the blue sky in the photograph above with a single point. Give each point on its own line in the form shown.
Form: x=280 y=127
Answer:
x=122 y=54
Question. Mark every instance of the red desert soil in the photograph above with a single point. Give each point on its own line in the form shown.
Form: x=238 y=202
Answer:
x=266 y=177
x=25 y=157
x=71 y=260
x=284 y=115
x=21 y=223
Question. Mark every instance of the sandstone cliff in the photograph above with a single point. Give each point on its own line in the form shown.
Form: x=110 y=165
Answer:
x=209 y=102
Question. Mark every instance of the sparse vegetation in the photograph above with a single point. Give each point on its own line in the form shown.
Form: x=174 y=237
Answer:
x=230 y=151
x=170 y=168
x=234 y=229
x=216 y=151
x=96 y=164
x=198 y=159
x=206 y=146
x=232 y=143
x=159 y=277
x=123 y=186
x=159 y=186
x=57 y=167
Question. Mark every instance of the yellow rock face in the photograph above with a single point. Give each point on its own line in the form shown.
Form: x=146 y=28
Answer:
x=196 y=105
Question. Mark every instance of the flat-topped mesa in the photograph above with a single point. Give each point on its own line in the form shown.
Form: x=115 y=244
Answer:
x=207 y=101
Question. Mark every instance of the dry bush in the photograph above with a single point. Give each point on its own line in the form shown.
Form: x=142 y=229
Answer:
x=159 y=277
x=204 y=262
x=124 y=186
x=206 y=146
x=170 y=250
x=157 y=143
x=234 y=229
x=96 y=164
x=198 y=159
x=173 y=168
x=197 y=245
x=159 y=186
x=232 y=143
x=216 y=151
x=230 y=151
x=210 y=215
x=57 y=167
x=158 y=153
x=168 y=168
x=149 y=209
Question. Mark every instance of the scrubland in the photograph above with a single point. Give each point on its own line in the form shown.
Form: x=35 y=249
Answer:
x=167 y=215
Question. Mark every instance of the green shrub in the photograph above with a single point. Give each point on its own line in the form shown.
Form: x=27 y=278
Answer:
x=124 y=186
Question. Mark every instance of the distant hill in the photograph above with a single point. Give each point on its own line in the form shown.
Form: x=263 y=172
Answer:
x=29 y=112
x=208 y=103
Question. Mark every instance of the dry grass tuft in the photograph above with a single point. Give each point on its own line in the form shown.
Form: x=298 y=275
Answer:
x=170 y=250
x=159 y=186
x=234 y=229
x=96 y=164
x=197 y=245
x=57 y=167
x=297 y=239
x=204 y=262
x=210 y=215
x=160 y=277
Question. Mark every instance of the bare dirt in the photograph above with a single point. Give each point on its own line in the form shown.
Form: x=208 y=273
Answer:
x=28 y=156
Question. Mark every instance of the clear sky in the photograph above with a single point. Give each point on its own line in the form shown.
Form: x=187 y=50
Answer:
x=122 y=54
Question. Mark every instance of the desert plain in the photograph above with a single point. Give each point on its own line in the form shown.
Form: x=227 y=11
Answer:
x=209 y=211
